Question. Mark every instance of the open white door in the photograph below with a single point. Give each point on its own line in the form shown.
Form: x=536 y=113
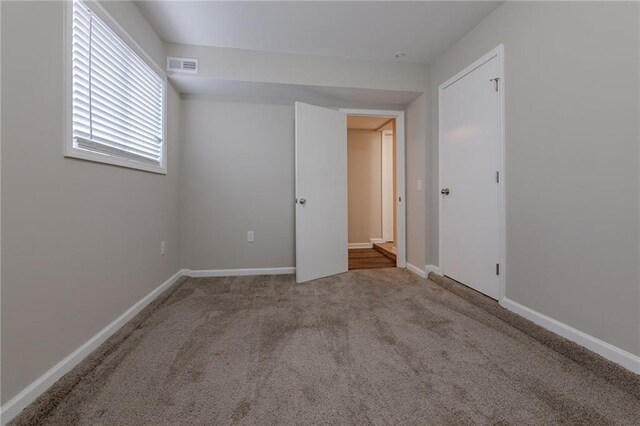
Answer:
x=321 y=192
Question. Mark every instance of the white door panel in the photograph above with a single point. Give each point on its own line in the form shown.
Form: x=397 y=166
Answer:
x=470 y=158
x=321 y=192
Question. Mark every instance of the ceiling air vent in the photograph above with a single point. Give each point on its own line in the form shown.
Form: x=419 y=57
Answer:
x=187 y=65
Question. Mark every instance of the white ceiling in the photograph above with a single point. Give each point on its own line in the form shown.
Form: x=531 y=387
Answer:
x=362 y=30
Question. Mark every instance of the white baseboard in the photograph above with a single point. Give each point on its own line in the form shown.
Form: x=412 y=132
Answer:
x=370 y=244
x=19 y=402
x=360 y=245
x=612 y=353
x=200 y=273
x=416 y=270
x=432 y=268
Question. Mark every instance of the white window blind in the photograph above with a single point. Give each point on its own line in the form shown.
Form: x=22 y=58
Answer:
x=117 y=100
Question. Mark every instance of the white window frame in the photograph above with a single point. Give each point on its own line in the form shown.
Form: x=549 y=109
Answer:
x=69 y=150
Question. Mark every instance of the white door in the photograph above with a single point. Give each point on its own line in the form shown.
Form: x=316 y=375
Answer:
x=471 y=240
x=388 y=199
x=321 y=192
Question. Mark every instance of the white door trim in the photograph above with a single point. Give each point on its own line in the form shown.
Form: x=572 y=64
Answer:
x=498 y=53
x=388 y=200
x=401 y=243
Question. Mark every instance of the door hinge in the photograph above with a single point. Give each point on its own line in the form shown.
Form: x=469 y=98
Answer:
x=497 y=269
x=497 y=177
x=496 y=83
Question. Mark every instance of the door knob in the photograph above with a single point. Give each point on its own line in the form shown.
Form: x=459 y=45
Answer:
x=444 y=191
x=303 y=201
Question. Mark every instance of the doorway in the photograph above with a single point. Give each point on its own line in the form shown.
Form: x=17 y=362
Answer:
x=321 y=190
x=371 y=171
x=471 y=146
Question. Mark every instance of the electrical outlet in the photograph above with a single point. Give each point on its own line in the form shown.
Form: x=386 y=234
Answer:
x=250 y=236
x=163 y=248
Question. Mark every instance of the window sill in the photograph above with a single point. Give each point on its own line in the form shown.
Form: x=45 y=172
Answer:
x=72 y=152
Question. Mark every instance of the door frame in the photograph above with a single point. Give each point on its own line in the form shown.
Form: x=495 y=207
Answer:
x=386 y=196
x=497 y=52
x=401 y=208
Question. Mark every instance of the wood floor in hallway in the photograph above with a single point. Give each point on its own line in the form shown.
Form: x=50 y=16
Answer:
x=368 y=259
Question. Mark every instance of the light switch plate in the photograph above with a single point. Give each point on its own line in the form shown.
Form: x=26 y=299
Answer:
x=419 y=184
x=250 y=237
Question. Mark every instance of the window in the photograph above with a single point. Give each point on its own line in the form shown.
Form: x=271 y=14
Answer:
x=117 y=99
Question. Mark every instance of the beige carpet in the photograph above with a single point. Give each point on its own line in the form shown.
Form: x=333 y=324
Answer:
x=365 y=347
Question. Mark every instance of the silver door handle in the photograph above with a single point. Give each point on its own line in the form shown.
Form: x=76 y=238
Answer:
x=303 y=201
x=444 y=191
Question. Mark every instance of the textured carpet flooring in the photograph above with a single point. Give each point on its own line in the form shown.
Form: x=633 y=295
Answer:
x=365 y=347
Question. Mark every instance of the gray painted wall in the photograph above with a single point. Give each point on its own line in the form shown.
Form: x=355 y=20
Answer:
x=572 y=187
x=80 y=240
x=416 y=134
x=364 y=154
x=237 y=175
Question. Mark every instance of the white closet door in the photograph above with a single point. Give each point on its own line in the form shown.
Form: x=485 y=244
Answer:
x=470 y=190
